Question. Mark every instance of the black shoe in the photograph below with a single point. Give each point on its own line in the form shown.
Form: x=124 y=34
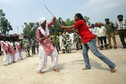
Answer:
x=124 y=47
x=102 y=46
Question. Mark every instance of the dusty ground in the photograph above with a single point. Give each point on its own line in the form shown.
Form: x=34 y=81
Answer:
x=70 y=65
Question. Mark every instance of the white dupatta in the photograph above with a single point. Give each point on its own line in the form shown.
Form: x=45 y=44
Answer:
x=46 y=45
x=17 y=43
x=46 y=32
x=6 y=43
x=10 y=43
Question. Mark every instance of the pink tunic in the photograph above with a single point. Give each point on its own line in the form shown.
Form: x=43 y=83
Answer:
x=46 y=44
x=18 y=47
x=12 y=51
x=4 y=47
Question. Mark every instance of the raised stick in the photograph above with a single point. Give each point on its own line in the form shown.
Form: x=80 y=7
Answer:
x=50 y=12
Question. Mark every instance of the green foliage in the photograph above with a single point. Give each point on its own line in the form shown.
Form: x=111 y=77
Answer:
x=86 y=19
x=69 y=22
x=5 y=26
x=56 y=28
x=30 y=29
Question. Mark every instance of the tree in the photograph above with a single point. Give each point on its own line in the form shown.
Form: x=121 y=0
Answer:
x=86 y=19
x=30 y=29
x=5 y=26
x=56 y=28
x=69 y=22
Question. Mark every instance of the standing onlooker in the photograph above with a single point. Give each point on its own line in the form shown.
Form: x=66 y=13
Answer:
x=121 y=27
x=33 y=45
x=37 y=45
x=66 y=42
x=5 y=49
x=72 y=40
x=61 y=43
x=77 y=40
x=18 y=50
x=12 y=51
x=101 y=32
x=110 y=33
x=93 y=29
x=27 y=46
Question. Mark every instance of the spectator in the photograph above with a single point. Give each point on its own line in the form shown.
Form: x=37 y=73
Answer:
x=33 y=45
x=121 y=29
x=101 y=32
x=110 y=33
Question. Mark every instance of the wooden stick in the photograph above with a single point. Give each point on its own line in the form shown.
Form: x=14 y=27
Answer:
x=48 y=9
x=50 y=12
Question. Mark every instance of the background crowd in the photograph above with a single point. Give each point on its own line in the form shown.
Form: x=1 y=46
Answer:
x=66 y=41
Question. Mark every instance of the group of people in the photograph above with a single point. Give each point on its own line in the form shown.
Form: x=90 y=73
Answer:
x=30 y=44
x=66 y=41
x=46 y=48
x=108 y=30
x=9 y=51
x=9 y=48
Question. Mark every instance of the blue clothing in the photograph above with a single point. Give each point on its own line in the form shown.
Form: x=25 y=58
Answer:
x=92 y=46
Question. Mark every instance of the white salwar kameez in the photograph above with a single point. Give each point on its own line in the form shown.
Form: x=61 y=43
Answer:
x=12 y=51
x=6 y=58
x=43 y=53
x=43 y=59
x=6 y=55
x=19 y=52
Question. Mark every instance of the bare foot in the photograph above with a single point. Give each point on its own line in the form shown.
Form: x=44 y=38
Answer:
x=112 y=70
x=40 y=72
x=5 y=64
x=84 y=68
x=56 y=70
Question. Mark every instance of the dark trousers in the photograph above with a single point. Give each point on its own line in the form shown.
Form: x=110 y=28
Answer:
x=122 y=35
x=101 y=39
x=33 y=49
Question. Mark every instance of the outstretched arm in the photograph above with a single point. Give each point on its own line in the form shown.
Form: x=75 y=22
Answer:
x=72 y=27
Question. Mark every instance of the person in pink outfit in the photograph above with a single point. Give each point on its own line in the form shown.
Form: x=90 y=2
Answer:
x=5 y=49
x=45 y=46
x=12 y=51
x=18 y=50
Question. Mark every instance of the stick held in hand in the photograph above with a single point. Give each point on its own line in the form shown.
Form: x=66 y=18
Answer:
x=48 y=9
x=50 y=12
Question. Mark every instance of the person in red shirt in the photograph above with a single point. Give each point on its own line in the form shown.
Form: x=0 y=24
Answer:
x=88 y=42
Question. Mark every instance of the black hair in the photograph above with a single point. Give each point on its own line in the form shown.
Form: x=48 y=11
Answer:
x=120 y=16
x=79 y=16
x=106 y=19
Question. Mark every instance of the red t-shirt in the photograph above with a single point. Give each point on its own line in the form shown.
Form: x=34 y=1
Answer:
x=84 y=31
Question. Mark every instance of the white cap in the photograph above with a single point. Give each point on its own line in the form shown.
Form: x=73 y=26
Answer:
x=41 y=20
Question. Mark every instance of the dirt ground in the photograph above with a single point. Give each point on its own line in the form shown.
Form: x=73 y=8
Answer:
x=70 y=66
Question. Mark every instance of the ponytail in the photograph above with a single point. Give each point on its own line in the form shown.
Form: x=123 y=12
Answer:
x=79 y=16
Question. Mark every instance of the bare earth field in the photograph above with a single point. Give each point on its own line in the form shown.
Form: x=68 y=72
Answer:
x=70 y=66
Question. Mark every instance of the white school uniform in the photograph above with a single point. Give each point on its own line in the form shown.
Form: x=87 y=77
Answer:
x=19 y=52
x=6 y=54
